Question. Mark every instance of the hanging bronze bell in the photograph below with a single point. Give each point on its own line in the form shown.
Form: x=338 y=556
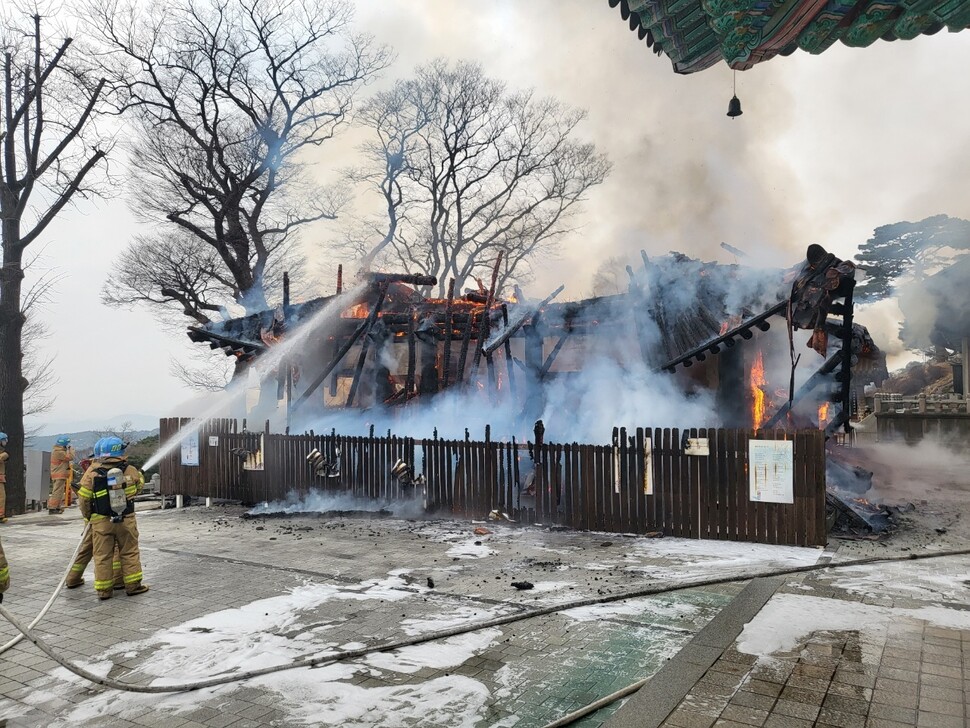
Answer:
x=734 y=107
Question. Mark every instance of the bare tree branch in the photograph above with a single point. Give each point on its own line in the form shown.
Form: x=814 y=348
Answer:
x=49 y=148
x=225 y=97
x=467 y=169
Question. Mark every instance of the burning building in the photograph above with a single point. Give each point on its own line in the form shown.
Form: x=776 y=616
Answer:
x=702 y=326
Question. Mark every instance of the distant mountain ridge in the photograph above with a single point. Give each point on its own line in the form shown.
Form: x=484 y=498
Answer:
x=132 y=420
x=85 y=439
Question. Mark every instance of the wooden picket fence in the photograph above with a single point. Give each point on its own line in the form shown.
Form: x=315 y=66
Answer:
x=585 y=487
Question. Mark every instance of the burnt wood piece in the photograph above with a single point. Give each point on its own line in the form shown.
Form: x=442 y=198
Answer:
x=412 y=279
x=340 y=278
x=364 y=325
x=409 y=380
x=447 y=335
x=846 y=369
x=813 y=381
x=509 y=331
x=465 y=339
x=713 y=346
x=486 y=318
x=217 y=341
x=508 y=352
x=550 y=360
x=371 y=318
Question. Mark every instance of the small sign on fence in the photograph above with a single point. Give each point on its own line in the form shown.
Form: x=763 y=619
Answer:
x=190 y=450
x=697 y=446
x=213 y=441
x=771 y=471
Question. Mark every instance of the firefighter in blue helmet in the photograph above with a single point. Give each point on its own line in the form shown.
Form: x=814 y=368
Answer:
x=85 y=551
x=105 y=498
x=61 y=458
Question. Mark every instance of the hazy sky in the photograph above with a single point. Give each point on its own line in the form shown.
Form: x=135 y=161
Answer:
x=828 y=148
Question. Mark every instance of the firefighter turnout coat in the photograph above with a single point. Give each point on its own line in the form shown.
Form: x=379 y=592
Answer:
x=107 y=531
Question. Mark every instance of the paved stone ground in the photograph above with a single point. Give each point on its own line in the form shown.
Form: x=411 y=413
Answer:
x=883 y=646
x=230 y=594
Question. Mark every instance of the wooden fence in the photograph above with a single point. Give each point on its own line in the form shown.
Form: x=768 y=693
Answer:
x=644 y=482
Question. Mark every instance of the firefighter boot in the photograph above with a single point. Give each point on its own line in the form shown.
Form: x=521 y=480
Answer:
x=104 y=594
x=137 y=588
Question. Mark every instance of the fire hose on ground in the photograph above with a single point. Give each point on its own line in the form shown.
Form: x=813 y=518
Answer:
x=334 y=657
x=50 y=602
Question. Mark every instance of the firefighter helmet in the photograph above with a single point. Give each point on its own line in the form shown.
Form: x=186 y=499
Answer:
x=113 y=447
x=3 y=438
x=63 y=441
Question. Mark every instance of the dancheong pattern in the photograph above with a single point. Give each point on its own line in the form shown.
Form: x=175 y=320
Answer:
x=696 y=34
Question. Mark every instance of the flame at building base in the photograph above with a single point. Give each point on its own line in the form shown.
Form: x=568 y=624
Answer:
x=756 y=383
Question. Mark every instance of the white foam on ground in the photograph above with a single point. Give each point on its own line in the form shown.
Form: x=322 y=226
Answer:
x=908 y=579
x=788 y=619
x=446 y=653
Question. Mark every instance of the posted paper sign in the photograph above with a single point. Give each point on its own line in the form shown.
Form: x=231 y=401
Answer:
x=771 y=465
x=190 y=450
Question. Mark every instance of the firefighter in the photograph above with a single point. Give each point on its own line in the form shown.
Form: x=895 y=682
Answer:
x=105 y=497
x=4 y=455
x=86 y=550
x=61 y=458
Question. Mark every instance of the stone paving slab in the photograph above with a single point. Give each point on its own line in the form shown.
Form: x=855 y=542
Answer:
x=875 y=646
x=230 y=594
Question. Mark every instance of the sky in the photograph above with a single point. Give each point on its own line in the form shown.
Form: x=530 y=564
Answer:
x=828 y=148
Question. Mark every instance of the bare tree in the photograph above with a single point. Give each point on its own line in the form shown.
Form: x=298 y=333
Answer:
x=466 y=170
x=38 y=370
x=48 y=155
x=227 y=99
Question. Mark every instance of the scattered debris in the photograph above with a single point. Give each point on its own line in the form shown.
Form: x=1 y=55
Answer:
x=499 y=516
x=430 y=583
x=522 y=585
x=481 y=531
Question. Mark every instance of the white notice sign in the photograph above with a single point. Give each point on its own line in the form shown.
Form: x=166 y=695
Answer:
x=770 y=469
x=190 y=450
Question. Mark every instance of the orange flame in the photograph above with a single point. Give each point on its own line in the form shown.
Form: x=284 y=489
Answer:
x=359 y=311
x=756 y=381
x=823 y=414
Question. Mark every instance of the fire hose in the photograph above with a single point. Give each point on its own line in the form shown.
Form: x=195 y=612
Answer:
x=50 y=602
x=329 y=658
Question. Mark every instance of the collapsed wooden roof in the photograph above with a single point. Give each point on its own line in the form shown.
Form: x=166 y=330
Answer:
x=696 y=34
x=683 y=301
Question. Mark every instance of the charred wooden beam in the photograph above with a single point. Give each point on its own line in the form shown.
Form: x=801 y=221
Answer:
x=551 y=359
x=198 y=335
x=508 y=352
x=409 y=380
x=412 y=279
x=713 y=345
x=813 y=381
x=465 y=339
x=364 y=325
x=486 y=320
x=449 y=328
x=493 y=344
x=371 y=318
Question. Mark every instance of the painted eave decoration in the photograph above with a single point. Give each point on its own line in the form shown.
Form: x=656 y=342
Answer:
x=696 y=34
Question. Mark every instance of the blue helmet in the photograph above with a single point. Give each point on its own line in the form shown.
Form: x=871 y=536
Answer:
x=112 y=447
x=96 y=450
x=3 y=438
x=63 y=441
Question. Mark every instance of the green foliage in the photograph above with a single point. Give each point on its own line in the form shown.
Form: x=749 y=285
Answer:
x=909 y=249
x=139 y=453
